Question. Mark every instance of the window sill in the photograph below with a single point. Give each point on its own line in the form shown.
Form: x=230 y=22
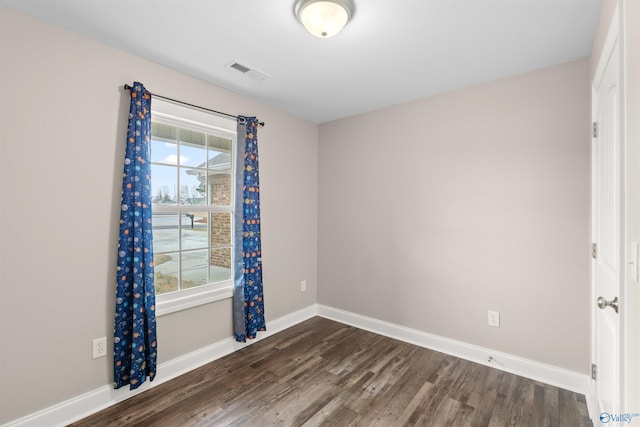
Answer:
x=183 y=300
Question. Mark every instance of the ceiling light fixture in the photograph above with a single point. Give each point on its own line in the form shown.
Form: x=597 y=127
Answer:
x=323 y=18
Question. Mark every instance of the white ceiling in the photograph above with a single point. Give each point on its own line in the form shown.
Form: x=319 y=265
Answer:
x=393 y=51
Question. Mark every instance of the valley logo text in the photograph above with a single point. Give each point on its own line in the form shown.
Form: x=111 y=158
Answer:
x=606 y=417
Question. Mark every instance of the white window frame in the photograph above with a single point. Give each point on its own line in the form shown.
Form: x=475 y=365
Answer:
x=180 y=115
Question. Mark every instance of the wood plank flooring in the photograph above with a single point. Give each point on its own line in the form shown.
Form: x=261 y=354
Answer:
x=324 y=373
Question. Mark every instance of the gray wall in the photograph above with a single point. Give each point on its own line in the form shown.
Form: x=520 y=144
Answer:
x=63 y=127
x=434 y=212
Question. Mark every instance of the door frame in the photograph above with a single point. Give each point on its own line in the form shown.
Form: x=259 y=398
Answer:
x=613 y=36
x=629 y=295
x=630 y=288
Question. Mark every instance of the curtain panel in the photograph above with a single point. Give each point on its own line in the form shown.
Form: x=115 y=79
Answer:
x=248 y=299
x=134 y=340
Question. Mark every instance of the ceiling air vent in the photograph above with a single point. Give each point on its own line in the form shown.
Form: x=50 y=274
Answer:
x=247 y=71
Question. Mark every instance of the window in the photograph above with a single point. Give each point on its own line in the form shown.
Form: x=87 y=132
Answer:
x=192 y=169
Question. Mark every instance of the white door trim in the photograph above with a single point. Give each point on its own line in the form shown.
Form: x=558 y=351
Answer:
x=613 y=36
x=630 y=97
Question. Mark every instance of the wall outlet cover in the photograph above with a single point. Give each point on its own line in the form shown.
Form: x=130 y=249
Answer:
x=99 y=347
x=494 y=318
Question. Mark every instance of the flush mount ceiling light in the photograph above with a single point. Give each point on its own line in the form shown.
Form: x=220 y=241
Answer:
x=323 y=18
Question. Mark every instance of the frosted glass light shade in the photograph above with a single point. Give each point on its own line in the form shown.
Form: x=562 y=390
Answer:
x=324 y=18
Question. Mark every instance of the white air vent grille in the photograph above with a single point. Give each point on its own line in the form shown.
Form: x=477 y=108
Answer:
x=240 y=67
x=247 y=71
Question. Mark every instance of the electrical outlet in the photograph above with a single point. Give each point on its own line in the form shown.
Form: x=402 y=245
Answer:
x=303 y=286
x=494 y=318
x=99 y=347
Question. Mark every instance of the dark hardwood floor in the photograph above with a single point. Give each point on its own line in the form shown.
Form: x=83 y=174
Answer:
x=321 y=372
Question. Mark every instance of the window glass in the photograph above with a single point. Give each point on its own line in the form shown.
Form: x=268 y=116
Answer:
x=192 y=188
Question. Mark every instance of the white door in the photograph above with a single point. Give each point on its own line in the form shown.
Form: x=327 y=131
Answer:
x=606 y=213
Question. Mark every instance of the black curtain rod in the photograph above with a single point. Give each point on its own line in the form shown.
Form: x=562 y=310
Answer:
x=127 y=87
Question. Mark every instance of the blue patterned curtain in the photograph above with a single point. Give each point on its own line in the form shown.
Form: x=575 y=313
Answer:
x=248 y=300
x=134 y=338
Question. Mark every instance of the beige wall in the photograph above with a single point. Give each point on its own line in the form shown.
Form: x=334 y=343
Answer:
x=63 y=122
x=434 y=212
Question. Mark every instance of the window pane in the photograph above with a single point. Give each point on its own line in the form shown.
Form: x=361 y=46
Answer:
x=220 y=229
x=163 y=184
x=220 y=264
x=219 y=161
x=193 y=183
x=220 y=185
x=194 y=231
x=193 y=149
x=165 y=231
x=192 y=190
x=219 y=143
x=164 y=132
x=194 y=268
x=166 y=272
x=164 y=152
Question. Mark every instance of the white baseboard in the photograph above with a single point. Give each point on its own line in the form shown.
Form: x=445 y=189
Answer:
x=547 y=374
x=592 y=404
x=84 y=405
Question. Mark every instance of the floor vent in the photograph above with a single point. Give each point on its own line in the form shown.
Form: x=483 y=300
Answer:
x=247 y=71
